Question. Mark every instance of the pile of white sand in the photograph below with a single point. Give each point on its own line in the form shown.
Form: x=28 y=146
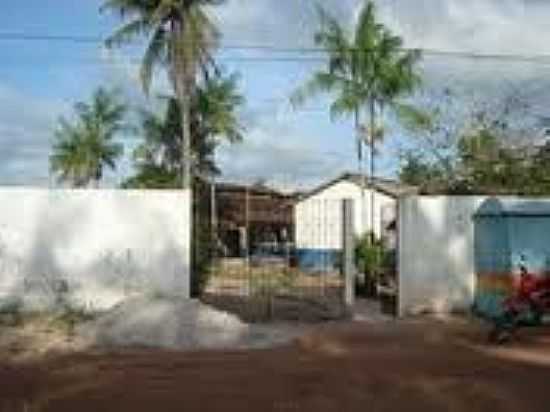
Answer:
x=178 y=324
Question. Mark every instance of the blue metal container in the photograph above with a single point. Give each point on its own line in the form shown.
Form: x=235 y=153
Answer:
x=508 y=234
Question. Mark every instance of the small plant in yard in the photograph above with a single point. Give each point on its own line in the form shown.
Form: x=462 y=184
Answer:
x=271 y=283
x=370 y=257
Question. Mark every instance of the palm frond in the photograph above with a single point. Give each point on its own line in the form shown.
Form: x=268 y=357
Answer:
x=321 y=82
x=164 y=9
x=216 y=104
x=413 y=118
x=82 y=147
x=127 y=8
x=128 y=32
x=334 y=40
x=347 y=102
x=156 y=53
x=367 y=29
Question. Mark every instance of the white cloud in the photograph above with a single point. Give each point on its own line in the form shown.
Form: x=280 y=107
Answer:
x=26 y=129
x=121 y=70
x=282 y=149
x=490 y=26
x=285 y=23
x=483 y=26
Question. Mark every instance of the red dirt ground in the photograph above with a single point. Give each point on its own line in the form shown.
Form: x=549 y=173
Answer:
x=421 y=366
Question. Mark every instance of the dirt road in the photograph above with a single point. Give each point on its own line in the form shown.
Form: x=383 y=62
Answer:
x=423 y=366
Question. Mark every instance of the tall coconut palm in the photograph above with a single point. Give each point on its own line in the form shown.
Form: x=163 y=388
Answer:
x=181 y=38
x=369 y=72
x=83 y=148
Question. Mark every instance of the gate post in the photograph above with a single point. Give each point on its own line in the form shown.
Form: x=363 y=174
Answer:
x=348 y=246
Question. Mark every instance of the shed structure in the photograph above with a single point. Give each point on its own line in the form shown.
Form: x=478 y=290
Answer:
x=509 y=234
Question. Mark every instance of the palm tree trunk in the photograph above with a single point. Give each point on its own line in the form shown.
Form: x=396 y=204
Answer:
x=185 y=107
x=360 y=164
x=184 y=91
x=372 y=137
x=183 y=81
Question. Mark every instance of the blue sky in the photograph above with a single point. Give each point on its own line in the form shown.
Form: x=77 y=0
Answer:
x=40 y=80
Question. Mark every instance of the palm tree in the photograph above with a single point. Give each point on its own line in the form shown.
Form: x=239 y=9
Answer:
x=369 y=71
x=181 y=39
x=83 y=149
x=67 y=160
x=214 y=119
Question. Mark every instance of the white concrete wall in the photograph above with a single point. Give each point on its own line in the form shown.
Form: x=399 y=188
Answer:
x=319 y=217
x=436 y=253
x=105 y=244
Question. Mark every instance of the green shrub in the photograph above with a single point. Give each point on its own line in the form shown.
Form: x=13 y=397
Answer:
x=369 y=255
x=372 y=260
x=272 y=283
x=203 y=243
x=202 y=255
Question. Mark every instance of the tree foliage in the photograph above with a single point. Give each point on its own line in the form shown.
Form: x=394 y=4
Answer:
x=215 y=119
x=84 y=147
x=477 y=145
x=485 y=163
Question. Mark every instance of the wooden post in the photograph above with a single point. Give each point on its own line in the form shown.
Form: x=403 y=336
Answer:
x=247 y=224
x=213 y=213
x=348 y=246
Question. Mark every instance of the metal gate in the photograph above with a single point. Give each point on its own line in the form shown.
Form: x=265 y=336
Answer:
x=297 y=275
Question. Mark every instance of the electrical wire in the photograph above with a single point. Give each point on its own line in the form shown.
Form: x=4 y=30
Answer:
x=12 y=36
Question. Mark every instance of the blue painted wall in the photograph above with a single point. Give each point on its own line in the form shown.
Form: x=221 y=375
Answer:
x=319 y=260
x=508 y=234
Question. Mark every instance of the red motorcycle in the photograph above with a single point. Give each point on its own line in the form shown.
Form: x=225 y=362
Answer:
x=528 y=305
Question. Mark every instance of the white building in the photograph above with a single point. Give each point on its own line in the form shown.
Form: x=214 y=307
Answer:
x=318 y=216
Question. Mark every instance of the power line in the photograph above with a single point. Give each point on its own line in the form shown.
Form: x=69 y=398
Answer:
x=532 y=57
x=50 y=37
x=121 y=61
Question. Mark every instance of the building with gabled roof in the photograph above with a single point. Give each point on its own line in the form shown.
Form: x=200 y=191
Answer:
x=318 y=215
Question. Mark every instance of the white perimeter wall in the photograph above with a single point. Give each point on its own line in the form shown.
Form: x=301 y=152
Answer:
x=319 y=217
x=436 y=253
x=106 y=245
